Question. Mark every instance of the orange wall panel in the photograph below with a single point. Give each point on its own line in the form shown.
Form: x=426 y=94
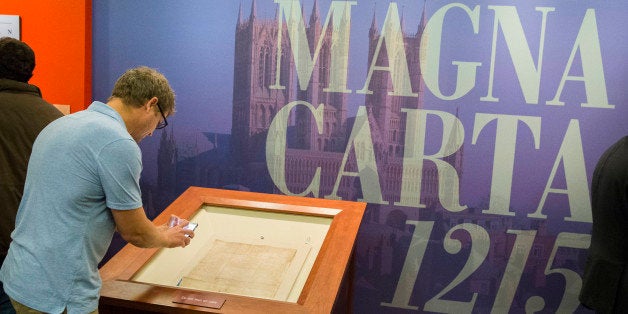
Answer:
x=60 y=33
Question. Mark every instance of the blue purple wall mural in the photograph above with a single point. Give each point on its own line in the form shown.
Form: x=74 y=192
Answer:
x=470 y=128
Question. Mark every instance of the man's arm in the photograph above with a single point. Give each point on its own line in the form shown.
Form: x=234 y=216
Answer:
x=135 y=228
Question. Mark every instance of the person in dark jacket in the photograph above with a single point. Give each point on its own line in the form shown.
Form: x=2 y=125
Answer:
x=605 y=280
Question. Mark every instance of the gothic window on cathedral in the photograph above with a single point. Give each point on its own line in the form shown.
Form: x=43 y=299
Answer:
x=260 y=70
x=268 y=69
x=324 y=73
x=285 y=68
x=264 y=67
x=537 y=251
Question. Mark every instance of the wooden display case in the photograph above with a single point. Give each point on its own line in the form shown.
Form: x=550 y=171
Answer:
x=252 y=253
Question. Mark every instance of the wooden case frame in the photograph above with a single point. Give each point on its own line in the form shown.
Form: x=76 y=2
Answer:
x=121 y=294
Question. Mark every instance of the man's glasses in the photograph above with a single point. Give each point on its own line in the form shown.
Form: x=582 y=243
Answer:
x=163 y=123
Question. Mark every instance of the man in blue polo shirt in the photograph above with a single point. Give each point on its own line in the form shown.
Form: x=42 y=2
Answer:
x=82 y=185
x=23 y=114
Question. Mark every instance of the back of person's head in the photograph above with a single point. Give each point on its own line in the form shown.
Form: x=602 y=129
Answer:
x=17 y=60
x=138 y=85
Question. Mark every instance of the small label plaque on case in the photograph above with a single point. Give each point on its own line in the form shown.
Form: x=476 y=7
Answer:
x=198 y=299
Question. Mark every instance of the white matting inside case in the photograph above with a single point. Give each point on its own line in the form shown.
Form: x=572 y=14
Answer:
x=245 y=252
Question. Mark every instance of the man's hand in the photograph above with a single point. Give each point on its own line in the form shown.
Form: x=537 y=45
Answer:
x=136 y=229
x=176 y=233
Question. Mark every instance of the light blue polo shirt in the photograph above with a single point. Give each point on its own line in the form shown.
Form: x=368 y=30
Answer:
x=82 y=165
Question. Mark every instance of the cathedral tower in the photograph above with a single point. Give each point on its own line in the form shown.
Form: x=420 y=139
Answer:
x=254 y=103
x=332 y=137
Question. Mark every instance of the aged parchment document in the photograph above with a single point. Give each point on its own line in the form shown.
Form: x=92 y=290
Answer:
x=240 y=268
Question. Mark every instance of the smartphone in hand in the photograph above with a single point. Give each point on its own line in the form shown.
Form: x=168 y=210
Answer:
x=174 y=221
x=191 y=226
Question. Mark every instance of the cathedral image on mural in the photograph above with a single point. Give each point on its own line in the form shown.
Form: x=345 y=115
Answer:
x=238 y=160
x=255 y=106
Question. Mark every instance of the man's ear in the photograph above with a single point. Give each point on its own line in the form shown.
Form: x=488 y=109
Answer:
x=151 y=103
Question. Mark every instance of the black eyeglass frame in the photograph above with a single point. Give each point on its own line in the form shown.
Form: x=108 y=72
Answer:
x=164 y=123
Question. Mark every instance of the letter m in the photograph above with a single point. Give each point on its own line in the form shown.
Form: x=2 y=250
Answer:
x=304 y=61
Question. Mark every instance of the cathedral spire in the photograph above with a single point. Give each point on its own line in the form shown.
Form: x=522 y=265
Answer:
x=373 y=30
x=314 y=18
x=253 y=10
x=330 y=27
x=423 y=21
x=240 y=13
